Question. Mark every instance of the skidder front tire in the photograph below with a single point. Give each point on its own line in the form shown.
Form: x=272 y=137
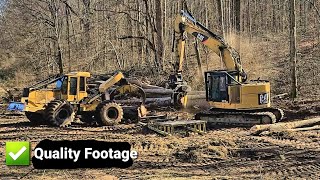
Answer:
x=59 y=113
x=110 y=114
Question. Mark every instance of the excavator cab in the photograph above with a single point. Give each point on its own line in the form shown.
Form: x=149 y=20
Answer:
x=217 y=87
x=217 y=84
x=223 y=90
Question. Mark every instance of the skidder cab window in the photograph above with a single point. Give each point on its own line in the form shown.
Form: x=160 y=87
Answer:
x=82 y=84
x=73 y=86
x=64 y=87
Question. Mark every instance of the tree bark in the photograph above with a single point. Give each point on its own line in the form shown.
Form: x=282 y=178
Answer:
x=293 y=50
x=86 y=21
x=237 y=23
x=221 y=16
x=159 y=31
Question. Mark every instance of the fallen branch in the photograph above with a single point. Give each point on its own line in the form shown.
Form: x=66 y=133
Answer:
x=280 y=95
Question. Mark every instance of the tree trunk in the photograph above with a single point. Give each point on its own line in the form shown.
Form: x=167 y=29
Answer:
x=86 y=21
x=237 y=23
x=293 y=50
x=220 y=14
x=159 y=33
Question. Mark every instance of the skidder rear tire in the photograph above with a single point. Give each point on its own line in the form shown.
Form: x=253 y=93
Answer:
x=59 y=113
x=110 y=114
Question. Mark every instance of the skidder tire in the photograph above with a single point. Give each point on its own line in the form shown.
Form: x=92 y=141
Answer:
x=35 y=118
x=59 y=113
x=110 y=114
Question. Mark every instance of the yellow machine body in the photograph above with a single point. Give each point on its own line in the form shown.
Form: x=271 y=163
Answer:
x=246 y=96
x=228 y=89
x=73 y=89
x=255 y=95
x=37 y=99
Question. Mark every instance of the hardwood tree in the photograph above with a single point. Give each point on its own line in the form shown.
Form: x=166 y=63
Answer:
x=293 y=49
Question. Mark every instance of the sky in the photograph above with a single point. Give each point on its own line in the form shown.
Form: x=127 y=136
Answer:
x=2 y=5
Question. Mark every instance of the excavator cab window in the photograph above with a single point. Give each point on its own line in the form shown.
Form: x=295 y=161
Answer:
x=217 y=86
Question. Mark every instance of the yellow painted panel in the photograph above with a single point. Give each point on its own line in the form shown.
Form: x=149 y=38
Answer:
x=39 y=98
x=110 y=82
x=255 y=88
x=84 y=74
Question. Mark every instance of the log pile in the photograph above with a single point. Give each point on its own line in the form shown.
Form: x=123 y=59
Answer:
x=156 y=96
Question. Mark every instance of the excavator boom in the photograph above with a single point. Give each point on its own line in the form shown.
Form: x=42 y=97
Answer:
x=186 y=24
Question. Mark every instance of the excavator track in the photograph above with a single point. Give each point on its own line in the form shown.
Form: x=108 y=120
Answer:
x=245 y=118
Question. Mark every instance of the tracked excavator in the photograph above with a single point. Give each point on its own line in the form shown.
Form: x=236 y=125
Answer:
x=233 y=99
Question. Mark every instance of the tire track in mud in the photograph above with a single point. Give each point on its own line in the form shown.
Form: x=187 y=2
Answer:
x=287 y=142
x=301 y=158
x=165 y=163
x=307 y=169
x=69 y=132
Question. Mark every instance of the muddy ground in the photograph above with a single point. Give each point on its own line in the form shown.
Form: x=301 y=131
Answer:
x=224 y=153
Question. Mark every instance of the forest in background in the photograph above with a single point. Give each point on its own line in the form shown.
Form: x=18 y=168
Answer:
x=43 y=37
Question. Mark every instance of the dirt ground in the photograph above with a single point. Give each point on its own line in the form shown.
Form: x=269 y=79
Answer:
x=227 y=153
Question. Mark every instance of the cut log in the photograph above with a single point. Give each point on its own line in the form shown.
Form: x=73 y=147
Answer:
x=150 y=102
x=197 y=102
x=257 y=129
x=196 y=92
x=199 y=96
x=158 y=95
x=144 y=86
x=162 y=103
x=158 y=91
x=305 y=129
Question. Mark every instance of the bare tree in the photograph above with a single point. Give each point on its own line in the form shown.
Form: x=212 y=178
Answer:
x=159 y=30
x=237 y=23
x=293 y=50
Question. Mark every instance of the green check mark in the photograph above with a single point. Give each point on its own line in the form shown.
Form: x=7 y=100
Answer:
x=17 y=153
